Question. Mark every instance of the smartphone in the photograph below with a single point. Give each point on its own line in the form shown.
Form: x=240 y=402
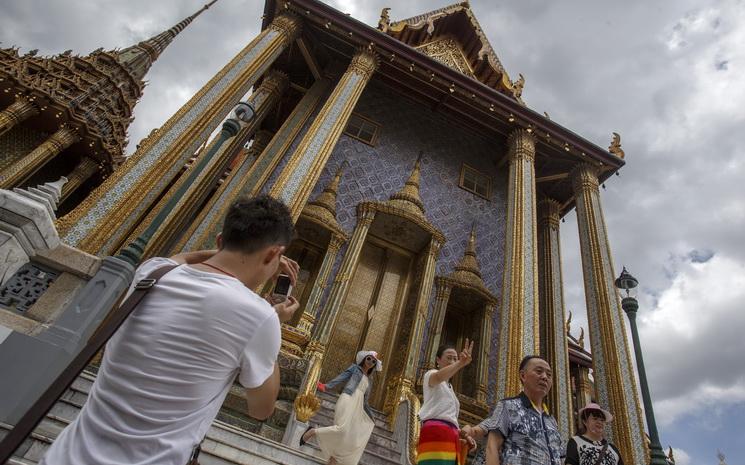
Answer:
x=282 y=288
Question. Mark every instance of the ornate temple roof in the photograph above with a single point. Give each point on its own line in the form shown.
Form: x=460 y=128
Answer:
x=453 y=36
x=95 y=94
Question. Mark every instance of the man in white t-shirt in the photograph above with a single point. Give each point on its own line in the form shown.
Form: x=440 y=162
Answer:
x=167 y=370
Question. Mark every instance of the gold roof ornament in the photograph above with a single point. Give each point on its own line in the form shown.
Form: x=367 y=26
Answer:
x=322 y=210
x=467 y=271
x=581 y=340
x=517 y=86
x=615 y=146
x=568 y=324
x=721 y=457
x=670 y=456
x=408 y=198
x=385 y=19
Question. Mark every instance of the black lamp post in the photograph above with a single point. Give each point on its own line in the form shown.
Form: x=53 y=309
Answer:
x=628 y=283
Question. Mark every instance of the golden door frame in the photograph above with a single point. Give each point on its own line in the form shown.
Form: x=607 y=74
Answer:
x=403 y=234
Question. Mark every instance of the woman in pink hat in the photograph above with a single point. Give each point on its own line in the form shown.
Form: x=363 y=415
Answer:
x=344 y=442
x=591 y=447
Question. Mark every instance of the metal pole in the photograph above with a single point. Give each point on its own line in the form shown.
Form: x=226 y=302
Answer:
x=630 y=306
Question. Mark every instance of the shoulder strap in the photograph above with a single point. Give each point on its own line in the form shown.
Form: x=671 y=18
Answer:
x=142 y=287
x=601 y=456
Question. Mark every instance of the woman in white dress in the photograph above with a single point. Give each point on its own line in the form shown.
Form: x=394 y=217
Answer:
x=344 y=442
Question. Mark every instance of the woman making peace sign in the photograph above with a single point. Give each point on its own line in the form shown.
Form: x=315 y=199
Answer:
x=439 y=440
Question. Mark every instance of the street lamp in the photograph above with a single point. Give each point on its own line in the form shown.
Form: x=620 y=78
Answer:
x=628 y=283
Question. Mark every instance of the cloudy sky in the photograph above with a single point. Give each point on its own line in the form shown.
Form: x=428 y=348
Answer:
x=666 y=75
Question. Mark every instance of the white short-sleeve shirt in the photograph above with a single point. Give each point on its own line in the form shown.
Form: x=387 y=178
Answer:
x=167 y=370
x=440 y=401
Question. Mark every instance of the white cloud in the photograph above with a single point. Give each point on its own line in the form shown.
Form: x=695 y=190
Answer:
x=692 y=341
x=681 y=457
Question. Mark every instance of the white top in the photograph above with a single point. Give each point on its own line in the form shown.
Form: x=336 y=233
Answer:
x=167 y=370
x=440 y=401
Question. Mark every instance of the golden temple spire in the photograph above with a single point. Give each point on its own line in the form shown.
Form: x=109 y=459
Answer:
x=408 y=197
x=323 y=208
x=138 y=58
x=468 y=271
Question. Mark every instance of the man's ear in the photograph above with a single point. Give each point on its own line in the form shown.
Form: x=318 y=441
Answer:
x=218 y=241
x=273 y=252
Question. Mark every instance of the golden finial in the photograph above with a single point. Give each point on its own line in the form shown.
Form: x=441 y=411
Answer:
x=581 y=340
x=517 y=86
x=384 y=20
x=568 y=325
x=323 y=209
x=408 y=197
x=615 y=146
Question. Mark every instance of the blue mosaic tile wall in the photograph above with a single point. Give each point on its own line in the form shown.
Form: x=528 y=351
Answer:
x=375 y=173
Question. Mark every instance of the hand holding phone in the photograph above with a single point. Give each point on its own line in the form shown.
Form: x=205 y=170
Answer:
x=282 y=288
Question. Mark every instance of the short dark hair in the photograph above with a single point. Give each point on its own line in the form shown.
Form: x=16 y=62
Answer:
x=254 y=223
x=527 y=359
x=441 y=350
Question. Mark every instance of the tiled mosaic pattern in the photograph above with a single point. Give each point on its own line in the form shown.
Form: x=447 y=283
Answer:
x=528 y=260
x=319 y=139
x=560 y=368
x=619 y=345
x=375 y=173
x=125 y=186
x=17 y=142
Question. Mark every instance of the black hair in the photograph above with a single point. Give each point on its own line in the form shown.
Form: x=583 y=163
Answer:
x=586 y=413
x=254 y=223
x=441 y=350
x=527 y=359
x=362 y=366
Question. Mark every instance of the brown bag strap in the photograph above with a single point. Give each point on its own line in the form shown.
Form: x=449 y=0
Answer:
x=142 y=287
x=602 y=453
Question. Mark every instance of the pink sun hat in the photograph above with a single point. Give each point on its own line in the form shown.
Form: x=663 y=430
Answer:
x=594 y=406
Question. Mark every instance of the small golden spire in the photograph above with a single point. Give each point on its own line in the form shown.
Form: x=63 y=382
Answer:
x=581 y=340
x=323 y=208
x=468 y=271
x=615 y=146
x=408 y=197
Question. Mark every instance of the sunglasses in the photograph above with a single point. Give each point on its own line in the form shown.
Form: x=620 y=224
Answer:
x=369 y=358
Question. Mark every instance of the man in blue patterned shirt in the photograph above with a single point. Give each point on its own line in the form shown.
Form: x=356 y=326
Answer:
x=520 y=430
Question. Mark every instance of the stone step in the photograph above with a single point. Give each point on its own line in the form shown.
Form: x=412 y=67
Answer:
x=379 y=436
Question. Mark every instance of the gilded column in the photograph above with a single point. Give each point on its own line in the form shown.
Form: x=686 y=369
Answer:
x=16 y=113
x=114 y=209
x=25 y=167
x=551 y=303
x=250 y=176
x=518 y=334
x=613 y=372
x=298 y=178
x=309 y=312
x=306 y=402
x=442 y=297
x=80 y=174
x=263 y=100
x=422 y=305
x=483 y=351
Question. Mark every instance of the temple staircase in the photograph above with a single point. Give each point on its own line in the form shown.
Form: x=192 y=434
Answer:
x=383 y=447
x=228 y=441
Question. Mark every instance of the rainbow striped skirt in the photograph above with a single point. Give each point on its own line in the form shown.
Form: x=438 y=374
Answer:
x=439 y=444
